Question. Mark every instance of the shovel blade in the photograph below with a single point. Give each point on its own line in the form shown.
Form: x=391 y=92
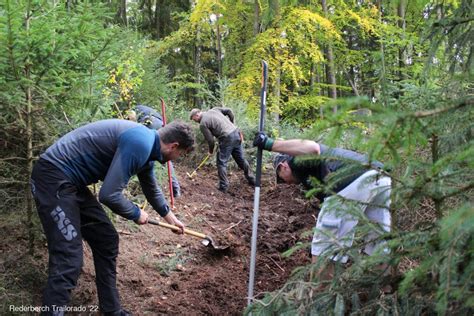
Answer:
x=208 y=242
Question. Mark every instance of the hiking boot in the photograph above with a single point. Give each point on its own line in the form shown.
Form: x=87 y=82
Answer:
x=251 y=180
x=223 y=190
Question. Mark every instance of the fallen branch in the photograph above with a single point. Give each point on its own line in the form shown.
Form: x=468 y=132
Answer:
x=232 y=226
x=271 y=269
x=273 y=260
x=213 y=228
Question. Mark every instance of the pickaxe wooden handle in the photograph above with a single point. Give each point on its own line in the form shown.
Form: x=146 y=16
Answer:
x=176 y=228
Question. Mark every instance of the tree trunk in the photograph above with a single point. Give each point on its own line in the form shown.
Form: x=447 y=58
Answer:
x=156 y=21
x=383 y=72
x=277 y=88
x=29 y=140
x=330 y=71
x=402 y=25
x=256 y=15
x=122 y=13
x=197 y=68
x=218 y=47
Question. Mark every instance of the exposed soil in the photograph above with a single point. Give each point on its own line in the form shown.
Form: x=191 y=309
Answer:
x=160 y=272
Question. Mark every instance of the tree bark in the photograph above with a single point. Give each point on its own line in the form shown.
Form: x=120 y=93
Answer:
x=277 y=88
x=156 y=21
x=402 y=25
x=218 y=47
x=330 y=71
x=383 y=73
x=29 y=140
x=122 y=13
x=197 y=68
x=256 y=15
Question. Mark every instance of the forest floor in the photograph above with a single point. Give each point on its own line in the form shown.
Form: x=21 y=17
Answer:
x=160 y=272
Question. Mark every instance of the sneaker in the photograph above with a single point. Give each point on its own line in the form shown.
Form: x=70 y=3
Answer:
x=223 y=190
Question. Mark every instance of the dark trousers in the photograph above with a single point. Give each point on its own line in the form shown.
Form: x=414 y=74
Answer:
x=231 y=145
x=69 y=214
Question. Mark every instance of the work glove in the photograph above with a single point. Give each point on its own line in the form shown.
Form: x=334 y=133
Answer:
x=262 y=141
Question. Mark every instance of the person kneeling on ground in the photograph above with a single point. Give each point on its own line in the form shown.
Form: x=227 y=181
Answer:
x=112 y=151
x=219 y=122
x=152 y=119
x=362 y=189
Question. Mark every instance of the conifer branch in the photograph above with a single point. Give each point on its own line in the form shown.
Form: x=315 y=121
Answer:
x=461 y=104
x=467 y=187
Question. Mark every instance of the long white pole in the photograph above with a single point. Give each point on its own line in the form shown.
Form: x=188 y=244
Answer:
x=258 y=176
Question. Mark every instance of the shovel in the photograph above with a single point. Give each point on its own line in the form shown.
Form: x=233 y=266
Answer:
x=206 y=240
x=199 y=167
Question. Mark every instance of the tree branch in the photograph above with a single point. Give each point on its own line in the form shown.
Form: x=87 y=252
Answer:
x=422 y=114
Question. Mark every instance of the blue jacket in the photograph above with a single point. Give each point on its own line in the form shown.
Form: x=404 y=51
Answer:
x=112 y=151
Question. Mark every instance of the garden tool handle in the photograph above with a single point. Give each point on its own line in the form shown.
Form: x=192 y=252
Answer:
x=204 y=161
x=200 y=165
x=172 y=227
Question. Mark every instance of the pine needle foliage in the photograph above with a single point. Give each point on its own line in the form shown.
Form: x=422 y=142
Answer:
x=422 y=131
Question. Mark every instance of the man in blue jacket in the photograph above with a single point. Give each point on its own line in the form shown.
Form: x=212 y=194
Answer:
x=152 y=119
x=111 y=151
x=351 y=189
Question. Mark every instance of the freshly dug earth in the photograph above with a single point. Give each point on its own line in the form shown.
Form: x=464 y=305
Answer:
x=160 y=272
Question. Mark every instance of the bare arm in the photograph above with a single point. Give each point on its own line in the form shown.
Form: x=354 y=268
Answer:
x=296 y=147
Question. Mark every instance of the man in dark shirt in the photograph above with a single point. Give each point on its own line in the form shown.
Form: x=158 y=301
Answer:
x=351 y=187
x=219 y=123
x=111 y=151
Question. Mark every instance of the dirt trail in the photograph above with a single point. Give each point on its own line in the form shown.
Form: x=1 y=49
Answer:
x=163 y=273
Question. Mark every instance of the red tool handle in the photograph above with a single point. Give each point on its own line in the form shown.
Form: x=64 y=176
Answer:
x=163 y=113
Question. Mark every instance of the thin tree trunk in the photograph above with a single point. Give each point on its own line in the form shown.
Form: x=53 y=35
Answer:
x=318 y=77
x=122 y=13
x=402 y=25
x=156 y=21
x=330 y=71
x=351 y=78
x=277 y=88
x=197 y=69
x=383 y=73
x=219 y=47
x=256 y=16
x=29 y=140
